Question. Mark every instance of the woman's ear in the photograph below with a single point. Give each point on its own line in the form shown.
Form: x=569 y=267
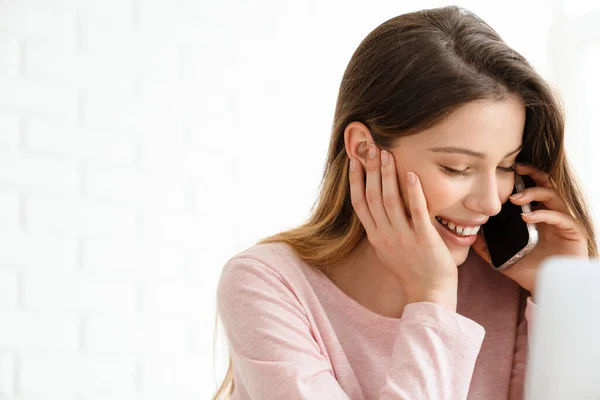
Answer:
x=357 y=139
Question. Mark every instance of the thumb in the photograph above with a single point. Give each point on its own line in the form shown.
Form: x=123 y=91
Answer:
x=480 y=247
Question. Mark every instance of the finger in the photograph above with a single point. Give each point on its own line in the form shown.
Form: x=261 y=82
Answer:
x=357 y=196
x=541 y=178
x=391 y=192
x=562 y=221
x=548 y=196
x=373 y=192
x=418 y=205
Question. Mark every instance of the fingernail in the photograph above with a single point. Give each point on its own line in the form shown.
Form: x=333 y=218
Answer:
x=372 y=151
x=384 y=157
x=516 y=196
x=411 y=178
x=352 y=163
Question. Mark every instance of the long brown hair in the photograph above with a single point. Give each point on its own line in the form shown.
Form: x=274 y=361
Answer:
x=408 y=74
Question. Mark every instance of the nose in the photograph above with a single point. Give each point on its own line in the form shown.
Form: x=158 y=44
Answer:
x=485 y=196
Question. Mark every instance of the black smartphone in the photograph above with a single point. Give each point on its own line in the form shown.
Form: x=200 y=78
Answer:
x=507 y=236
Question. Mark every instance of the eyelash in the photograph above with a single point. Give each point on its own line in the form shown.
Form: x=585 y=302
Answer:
x=464 y=172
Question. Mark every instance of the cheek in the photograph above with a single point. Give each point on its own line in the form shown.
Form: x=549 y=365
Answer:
x=442 y=191
x=505 y=189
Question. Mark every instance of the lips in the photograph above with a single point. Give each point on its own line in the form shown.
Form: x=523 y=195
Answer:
x=461 y=230
x=451 y=235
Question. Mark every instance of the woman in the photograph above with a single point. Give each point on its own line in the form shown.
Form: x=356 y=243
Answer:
x=377 y=295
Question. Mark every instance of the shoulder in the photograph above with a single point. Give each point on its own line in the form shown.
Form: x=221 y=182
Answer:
x=262 y=273
x=264 y=287
x=270 y=259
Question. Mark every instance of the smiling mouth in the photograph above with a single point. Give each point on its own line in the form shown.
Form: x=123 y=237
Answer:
x=458 y=229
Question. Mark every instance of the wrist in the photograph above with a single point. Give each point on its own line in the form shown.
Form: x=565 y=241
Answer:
x=444 y=297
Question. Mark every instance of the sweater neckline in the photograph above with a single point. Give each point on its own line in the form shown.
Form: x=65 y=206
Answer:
x=339 y=298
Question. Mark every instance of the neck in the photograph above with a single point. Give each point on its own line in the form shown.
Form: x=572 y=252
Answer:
x=364 y=278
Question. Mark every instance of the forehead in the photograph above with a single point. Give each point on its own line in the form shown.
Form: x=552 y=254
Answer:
x=492 y=127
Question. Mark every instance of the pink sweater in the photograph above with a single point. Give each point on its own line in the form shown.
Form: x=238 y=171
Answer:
x=293 y=334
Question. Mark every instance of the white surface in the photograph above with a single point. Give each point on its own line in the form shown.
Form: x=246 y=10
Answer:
x=565 y=344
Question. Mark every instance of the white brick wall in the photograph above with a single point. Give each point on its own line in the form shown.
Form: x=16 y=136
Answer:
x=29 y=172
x=44 y=374
x=27 y=20
x=106 y=269
x=26 y=331
x=9 y=287
x=7 y=373
x=37 y=250
x=9 y=54
x=9 y=126
x=36 y=96
x=94 y=146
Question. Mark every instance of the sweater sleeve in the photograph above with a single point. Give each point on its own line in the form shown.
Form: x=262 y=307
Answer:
x=517 y=380
x=276 y=356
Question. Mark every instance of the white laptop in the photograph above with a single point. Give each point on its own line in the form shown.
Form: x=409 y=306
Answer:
x=564 y=358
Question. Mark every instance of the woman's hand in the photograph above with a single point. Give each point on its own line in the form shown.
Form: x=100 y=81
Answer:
x=406 y=243
x=559 y=233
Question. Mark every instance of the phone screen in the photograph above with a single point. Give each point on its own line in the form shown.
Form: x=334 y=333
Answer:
x=506 y=233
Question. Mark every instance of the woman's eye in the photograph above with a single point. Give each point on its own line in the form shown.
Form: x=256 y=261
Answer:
x=452 y=171
x=508 y=170
x=467 y=171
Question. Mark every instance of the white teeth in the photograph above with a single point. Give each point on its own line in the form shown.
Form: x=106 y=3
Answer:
x=461 y=230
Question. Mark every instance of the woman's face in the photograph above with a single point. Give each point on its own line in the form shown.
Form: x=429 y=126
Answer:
x=465 y=164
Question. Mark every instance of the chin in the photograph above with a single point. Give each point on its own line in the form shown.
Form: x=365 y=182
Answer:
x=460 y=254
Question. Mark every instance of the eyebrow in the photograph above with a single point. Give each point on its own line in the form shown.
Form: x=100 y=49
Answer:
x=469 y=152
